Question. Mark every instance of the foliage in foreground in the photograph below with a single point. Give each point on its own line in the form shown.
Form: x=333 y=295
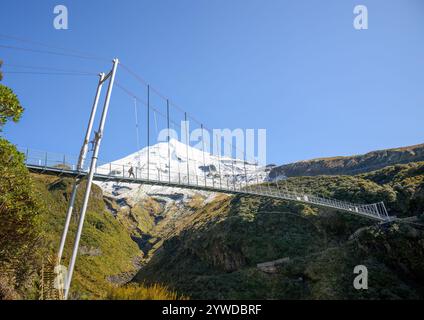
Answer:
x=143 y=292
x=19 y=228
x=10 y=107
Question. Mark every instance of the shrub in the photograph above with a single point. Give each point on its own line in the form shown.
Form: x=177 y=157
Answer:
x=19 y=212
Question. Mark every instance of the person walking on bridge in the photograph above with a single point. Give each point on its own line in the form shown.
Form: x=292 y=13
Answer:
x=131 y=172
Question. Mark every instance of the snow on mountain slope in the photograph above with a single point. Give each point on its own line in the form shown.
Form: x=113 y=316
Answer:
x=202 y=168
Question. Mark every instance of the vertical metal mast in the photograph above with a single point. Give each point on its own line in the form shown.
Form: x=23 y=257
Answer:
x=245 y=171
x=136 y=123
x=218 y=146
x=137 y=131
x=81 y=159
x=148 y=132
x=234 y=177
x=97 y=141
x=187 y=143
x=203 y=151
x=169 y=150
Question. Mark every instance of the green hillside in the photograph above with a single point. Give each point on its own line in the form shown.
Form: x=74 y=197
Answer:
x=230 y=248
x=217 y=254
x=33 y=208
x=107 y=248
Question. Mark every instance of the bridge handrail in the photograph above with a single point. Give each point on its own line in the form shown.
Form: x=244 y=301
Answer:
x=212 y=181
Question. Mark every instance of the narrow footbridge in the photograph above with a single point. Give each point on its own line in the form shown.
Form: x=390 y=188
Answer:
x=227 y=184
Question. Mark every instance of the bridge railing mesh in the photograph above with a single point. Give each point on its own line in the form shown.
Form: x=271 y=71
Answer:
x=49 y=159
x=213 y=181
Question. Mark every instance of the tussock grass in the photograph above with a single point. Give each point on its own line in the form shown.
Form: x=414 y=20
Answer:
x=143 y=292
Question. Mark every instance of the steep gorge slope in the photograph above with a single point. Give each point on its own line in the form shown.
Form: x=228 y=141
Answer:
x=106 y=247
x=310 y=253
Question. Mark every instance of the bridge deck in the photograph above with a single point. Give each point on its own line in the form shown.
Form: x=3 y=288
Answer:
x=376 y=211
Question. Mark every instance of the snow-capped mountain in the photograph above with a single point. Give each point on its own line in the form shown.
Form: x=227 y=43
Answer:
x=199 y=167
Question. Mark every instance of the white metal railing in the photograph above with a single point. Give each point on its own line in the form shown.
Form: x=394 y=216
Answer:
x=212 y=181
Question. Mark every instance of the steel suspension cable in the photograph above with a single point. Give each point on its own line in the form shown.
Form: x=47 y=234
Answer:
x=203 y=151
x=148 y=132
x=169 y=149
x=49 y=73
x=47 y=52
x=68 y=50
x=137 y=131
x=46 y=68
x=187 y=142
x=78 y=54
x=145 y=83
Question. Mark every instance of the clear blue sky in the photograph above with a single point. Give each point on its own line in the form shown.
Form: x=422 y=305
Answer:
x=297 y=68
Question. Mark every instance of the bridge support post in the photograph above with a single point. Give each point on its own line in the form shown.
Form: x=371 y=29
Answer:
x=83 y=153
x=278 y=188
x=385 y=213
x=97 y=141
x=234 y=181
x=377 y=211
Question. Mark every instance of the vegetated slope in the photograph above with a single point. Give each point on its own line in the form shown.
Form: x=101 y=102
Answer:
x=211 y=249
x=309 y=253
x=109 y=253
x=19 y=226
x=106 y=248
x=351 y=164
x=33 y=211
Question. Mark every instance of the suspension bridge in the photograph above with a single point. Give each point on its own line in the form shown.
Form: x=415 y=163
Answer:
x=247 y=183
x=240 y=183
x=243 y=183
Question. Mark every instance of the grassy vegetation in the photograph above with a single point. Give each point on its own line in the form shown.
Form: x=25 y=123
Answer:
x=407 y=183
x=212 y=250
x=215 y=250
x=20 y=231
x=108 y=245
x=143 y=292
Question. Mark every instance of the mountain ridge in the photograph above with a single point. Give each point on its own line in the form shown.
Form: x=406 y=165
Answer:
x=350 y=165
